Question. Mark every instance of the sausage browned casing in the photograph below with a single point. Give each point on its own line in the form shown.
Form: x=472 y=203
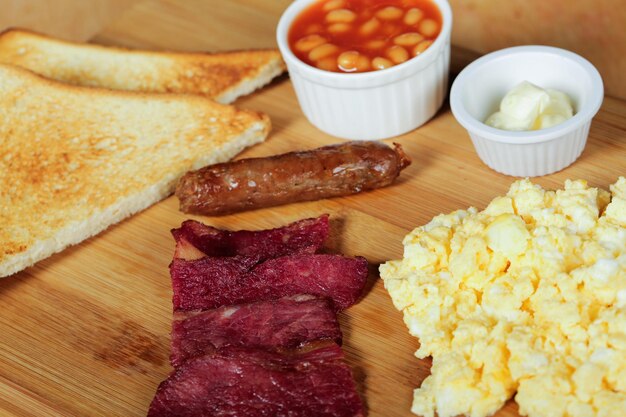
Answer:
x=330 y=171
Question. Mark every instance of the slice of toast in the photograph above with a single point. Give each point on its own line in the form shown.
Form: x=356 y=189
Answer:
x=220 y=76
x=74 y=160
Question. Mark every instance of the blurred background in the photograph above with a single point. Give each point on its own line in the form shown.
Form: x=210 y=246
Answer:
x=595 y=29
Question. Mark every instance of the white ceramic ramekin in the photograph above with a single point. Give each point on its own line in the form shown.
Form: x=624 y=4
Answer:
x=477 y=91
x=370 y=105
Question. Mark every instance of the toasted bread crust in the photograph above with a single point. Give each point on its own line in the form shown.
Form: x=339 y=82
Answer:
x=74 y=160
x=220 y=76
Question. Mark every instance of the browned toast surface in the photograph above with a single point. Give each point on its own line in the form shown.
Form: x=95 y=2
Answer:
x=74 y=160
x=220 y=76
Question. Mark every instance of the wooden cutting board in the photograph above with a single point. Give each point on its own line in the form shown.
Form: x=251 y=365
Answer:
x=86 y=332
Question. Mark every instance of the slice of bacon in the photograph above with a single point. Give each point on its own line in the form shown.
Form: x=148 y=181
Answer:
x=195 y=239
x=285 y=323
x=237 y=381
x=212 y=282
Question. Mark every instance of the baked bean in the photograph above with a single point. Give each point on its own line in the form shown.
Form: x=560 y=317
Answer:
x=309 y=42
x=333 y=4
x=381 y=63
x=428 y=27
x=327 y=64
x=413 y=16
x=389 y=13
x=397 y=54
x=340 y=16
x=322 y=51
x=421 y=47
x=369 y=27
x=362 y=63
x=314 y=29
x=339 y=27
x=347 y=61
x=408 y=39
x=375 y=44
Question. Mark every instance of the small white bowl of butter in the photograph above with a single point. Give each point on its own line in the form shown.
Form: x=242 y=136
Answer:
x=525 y=92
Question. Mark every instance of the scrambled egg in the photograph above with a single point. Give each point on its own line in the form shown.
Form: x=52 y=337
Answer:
x=526 y=296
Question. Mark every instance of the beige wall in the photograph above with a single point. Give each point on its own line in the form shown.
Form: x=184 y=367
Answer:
x=596 y=29
x=70 y=19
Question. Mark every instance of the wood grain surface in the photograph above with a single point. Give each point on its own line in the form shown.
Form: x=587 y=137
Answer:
x=86 y=332
x=76 y=20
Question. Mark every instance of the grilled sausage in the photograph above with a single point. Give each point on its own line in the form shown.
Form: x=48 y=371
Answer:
x=330 y=171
